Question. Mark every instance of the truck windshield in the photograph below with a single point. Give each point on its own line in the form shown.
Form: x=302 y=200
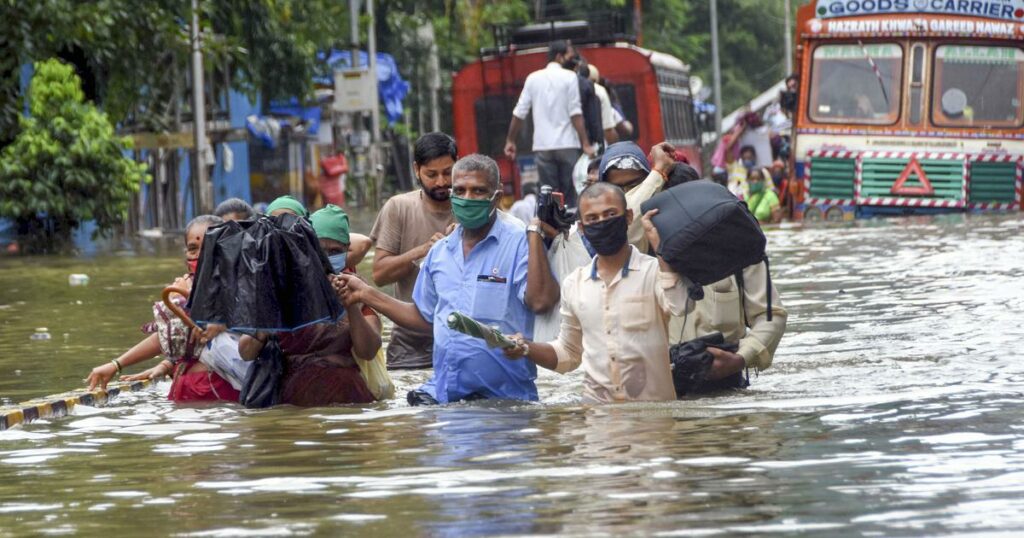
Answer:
x=856 y=83
x=977 y=86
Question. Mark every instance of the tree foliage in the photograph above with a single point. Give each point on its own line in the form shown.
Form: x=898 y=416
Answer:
x=750 y=35
x=461 y=29
x=126 y=50
x=271 y=45
x=751 y=40
x=66 y=165
x=135 y=55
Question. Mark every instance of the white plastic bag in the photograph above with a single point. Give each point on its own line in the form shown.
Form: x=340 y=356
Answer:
x=221 y=356
x=579 y=173
x=375 y=374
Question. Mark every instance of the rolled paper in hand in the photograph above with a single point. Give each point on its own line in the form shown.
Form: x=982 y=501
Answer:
x=464 y=324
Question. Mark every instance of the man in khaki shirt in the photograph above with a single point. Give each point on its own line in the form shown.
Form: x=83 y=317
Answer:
x=741 y=318
x=615 y=310
x=741 y=315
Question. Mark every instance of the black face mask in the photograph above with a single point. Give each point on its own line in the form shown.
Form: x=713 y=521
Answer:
x=438 y=194
x=608 y=236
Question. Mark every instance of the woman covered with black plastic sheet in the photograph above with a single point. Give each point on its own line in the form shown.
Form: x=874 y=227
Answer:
x=320 y=360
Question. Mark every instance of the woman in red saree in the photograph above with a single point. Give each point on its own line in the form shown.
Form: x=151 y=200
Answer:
x=168 y=336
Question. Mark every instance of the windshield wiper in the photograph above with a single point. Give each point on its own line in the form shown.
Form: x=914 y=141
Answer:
x=874 y=67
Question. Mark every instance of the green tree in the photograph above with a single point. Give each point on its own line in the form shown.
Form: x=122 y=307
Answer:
x=271 y=46
x=750 y=32
x=461 y=29
x=66 y=165
x=751 y=42
x=135 y=55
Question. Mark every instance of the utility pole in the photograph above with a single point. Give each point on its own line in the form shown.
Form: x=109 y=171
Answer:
x=638 y=22
x=426 y=38
x=371 y=46
x=357 y=118
x=789 y=39
x=716 y=68
x=201 y=182
x=353 y=6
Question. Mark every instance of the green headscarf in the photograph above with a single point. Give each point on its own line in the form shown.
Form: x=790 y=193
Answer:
x=331 y=223
x=290 y=203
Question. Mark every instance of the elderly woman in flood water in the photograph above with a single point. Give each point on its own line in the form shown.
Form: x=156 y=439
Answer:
x=356 y=248
x=193 y=380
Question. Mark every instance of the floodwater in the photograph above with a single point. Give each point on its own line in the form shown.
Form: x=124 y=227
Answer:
x=894 y=408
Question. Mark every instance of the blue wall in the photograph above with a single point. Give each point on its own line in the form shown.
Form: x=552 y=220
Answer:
x=235 y=184
x=226 y=184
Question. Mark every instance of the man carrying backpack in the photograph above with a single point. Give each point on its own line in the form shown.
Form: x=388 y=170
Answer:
x=711 y=238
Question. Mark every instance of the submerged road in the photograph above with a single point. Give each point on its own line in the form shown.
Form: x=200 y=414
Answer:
x=893 y=408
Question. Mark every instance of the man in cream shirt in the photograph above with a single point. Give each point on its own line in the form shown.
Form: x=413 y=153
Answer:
x=737 y=308
x=615 y=310
x=610 y=118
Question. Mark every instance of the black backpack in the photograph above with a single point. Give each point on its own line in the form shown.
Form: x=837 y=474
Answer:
x=707 y=234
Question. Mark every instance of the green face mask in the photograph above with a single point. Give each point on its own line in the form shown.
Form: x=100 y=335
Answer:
x=472 y=214
x=756 y=187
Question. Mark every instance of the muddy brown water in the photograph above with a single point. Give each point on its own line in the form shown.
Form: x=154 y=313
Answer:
x=893 y=408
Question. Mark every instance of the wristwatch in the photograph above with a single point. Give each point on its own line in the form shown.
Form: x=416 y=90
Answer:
x=535 y=229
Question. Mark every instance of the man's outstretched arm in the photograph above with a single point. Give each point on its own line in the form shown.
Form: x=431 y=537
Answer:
x=406 y=315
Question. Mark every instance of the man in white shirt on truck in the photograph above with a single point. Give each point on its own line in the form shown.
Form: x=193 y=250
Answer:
x=552 y=96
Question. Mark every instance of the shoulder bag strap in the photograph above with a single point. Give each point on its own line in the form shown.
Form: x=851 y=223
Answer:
x=743 y=303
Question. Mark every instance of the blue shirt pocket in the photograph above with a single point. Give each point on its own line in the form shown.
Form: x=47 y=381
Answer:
x=490 y=301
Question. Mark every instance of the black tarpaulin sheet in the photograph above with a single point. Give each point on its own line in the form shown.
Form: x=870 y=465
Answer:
x=267 y=274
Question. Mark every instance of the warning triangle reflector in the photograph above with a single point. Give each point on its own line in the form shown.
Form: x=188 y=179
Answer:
x=901 y=188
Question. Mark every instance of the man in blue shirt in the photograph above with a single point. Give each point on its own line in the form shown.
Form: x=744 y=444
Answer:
x=488 y=268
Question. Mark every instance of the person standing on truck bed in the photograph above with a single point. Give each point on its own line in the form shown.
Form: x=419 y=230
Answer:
x=611 y=120
x=552 y=95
